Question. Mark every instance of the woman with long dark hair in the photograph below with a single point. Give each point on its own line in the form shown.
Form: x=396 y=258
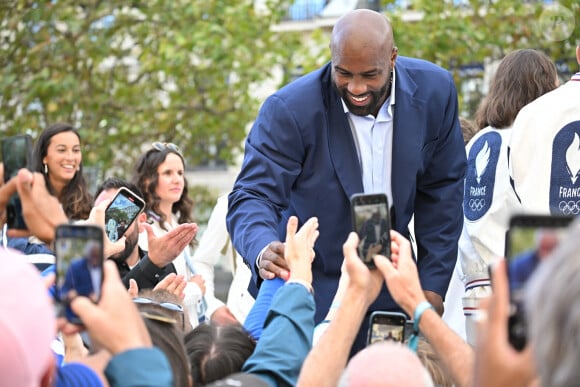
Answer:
x=58 y=156
x=160 y=174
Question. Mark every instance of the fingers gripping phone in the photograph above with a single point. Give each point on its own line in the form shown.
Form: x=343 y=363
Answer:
x=16 y=154
x=79 y=265
x=529 y=240
x=384 y=326
x=371 y=221
x=122 y=212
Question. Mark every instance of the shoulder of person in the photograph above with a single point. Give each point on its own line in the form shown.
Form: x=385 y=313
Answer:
x=413 y=64
x=311 y=80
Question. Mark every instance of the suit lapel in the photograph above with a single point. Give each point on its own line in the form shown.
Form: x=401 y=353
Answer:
x=406 y=142
x=343 y=153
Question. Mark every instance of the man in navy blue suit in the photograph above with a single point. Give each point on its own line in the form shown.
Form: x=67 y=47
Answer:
x=373 y=235
x=83 y=276
x=361 y=123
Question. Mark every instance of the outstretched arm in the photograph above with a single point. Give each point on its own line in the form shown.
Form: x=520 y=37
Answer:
x=327 y=359
x=403 y=283
x=287 y=334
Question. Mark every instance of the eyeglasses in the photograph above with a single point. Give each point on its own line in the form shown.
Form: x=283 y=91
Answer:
x=165 y=305
x=161 y=146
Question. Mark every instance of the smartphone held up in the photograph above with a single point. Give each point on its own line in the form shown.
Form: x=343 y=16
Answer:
x=371 y=221
x=16 y=154
x=122 y=212
x=530 y=240
x=79 y=265
x=386 y=326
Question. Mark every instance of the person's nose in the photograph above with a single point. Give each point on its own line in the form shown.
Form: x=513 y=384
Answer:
x=69 y=154
x=357 y=86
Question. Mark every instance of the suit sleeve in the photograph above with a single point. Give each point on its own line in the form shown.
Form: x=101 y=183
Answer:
x=438 y=204
x=274 y=153
x=146 y=274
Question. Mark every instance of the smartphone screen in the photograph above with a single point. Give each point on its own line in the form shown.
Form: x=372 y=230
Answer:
x=530 y=240
x=79 y=265
x=385 y=326
x=16 y=154
x=370 y=216
x=121 y=213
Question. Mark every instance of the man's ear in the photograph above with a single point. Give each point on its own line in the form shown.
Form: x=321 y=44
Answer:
x=142 y=218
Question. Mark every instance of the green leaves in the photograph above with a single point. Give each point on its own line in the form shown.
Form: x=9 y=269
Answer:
x=455 y=36
x=192 y=72
x=181 y=71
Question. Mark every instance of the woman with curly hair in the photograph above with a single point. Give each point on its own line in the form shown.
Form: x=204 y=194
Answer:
x=160 y=174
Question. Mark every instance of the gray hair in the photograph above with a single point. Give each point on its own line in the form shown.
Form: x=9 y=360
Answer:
x=553 y=313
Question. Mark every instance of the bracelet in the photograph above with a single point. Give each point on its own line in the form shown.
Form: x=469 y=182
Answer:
x=419 y=310
x=303 y=283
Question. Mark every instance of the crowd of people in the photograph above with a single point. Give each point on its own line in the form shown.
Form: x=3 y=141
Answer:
x=369 y=121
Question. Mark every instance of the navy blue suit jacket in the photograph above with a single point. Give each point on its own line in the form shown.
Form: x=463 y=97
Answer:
x=78 y=277
x=300 y=159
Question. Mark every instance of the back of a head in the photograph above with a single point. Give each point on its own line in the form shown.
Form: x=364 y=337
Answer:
x=385 y=364
x=162 y=296
x=27 y=323
x=432 y=363
x=553 y=313
x=521 y=77
x=116 y=183
x=468 y=129
x=216 y=351
x=166 y=336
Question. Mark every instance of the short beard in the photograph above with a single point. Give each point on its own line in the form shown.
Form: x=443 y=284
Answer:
x=373 y=107
x=130 y=245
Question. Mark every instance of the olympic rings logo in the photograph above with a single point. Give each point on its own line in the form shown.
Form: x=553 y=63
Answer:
x=569 y=208
x=478 y=204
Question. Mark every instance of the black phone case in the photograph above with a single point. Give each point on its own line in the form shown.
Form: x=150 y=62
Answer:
x=13 y=161
x=381 y=201
x=81 y=234
x=387 y=318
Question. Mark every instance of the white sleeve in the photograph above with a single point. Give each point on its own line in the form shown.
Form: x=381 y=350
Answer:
x=208 y=252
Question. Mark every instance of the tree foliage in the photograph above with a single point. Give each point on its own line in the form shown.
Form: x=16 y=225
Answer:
x=188 y=71
x=130 y=73
x=477 y=31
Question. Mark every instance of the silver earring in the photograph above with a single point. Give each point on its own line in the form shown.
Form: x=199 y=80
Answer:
x=45 y=169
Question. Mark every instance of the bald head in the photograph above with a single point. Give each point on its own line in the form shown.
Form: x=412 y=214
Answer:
x=363 y=28
x=363 y=59
x=385 y=364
